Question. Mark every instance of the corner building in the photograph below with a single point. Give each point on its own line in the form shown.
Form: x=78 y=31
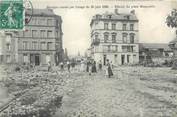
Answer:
x=114 y=36
x=41 y=41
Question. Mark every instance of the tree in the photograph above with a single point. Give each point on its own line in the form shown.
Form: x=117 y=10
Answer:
x=171 y=19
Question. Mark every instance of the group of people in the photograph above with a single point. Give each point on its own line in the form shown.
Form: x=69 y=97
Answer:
x=89 y=66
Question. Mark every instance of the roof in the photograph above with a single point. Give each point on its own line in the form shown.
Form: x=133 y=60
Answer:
x=115 y=16
x=164 y=46
x=120 y=16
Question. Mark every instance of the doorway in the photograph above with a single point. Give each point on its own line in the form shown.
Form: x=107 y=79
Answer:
x=123 y=59
x=37 y=61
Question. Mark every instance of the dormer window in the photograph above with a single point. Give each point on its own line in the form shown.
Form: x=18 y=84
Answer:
x=109 y=16
x=128 y=17
x=98 y=16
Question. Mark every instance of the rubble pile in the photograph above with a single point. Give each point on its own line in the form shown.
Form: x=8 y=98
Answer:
x=35 y=93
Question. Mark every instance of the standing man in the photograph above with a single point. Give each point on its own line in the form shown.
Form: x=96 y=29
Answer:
x=62 y=66
x=49 y=66
x=68 y=65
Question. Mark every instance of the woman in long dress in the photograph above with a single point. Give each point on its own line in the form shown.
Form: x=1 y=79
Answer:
x=109 y=69
x=94 y=67
x=82 y=66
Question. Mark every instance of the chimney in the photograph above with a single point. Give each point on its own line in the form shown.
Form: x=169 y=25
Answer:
x=116 y=11
x=132 y=12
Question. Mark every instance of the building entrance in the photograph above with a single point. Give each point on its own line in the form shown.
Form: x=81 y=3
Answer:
x=35 y=59
x=123 y=59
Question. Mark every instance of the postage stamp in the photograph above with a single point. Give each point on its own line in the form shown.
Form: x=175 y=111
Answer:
x=11 y=15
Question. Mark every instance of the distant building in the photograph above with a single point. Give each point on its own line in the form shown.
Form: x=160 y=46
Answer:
x=154 y=52
x=114 y=36
x=41 y=41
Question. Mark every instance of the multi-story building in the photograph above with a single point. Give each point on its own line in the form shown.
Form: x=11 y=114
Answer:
x=41 y=41
x=8 y=47
x=114 y=36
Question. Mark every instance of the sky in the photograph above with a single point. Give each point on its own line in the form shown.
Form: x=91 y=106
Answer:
x=76 y=22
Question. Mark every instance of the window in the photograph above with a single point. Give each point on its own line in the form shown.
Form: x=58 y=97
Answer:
x=96 y=36
x=25 y=45
x=49 y=33
x=132 y=36
x=34 y=45
x=124 y=48
x=8 y=46
x=116 y=48
x=124 y=27
x=49 y=46
x=49 y=22
x=106 y=26
x=42 y=33
x=113 y=26
x=42 y=21
x=34 y=33
x=131 y=27
x=129 y=48
x=114 y=38
x=128 y=58
x=25 y=58
x=134 y=58
x=105 y=48
x=27 y=33
x=8 y=38
x=106 y=36
x=109 y=16
x=8 y=58
x=109 y=48
x=124 y=37
x=34 y=21
x=43 y=45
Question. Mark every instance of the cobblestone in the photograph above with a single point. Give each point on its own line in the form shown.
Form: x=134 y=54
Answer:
x=124 y=95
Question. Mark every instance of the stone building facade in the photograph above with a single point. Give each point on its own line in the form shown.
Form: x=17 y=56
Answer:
x=41 y=41
x=114 y=36
x=8 y=47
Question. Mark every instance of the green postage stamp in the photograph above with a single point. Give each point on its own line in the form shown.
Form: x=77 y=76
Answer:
x=12 y=15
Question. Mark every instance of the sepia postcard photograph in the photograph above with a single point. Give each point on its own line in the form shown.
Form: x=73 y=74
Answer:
x=88 y=58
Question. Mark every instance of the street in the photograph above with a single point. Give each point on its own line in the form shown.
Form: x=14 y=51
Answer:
x=132 y=92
